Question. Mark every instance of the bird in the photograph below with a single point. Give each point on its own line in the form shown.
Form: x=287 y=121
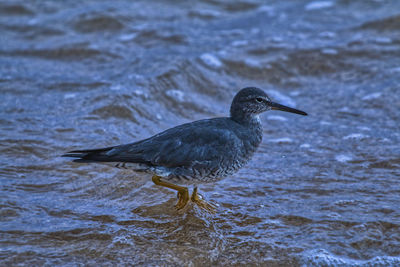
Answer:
x=203 y=151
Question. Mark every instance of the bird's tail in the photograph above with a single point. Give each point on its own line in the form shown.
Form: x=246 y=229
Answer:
x=89 y=155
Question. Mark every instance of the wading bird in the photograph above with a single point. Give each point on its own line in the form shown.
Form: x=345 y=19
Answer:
x=197 y=152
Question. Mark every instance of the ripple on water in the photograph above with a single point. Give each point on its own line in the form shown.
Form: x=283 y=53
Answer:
x=7 y=9
x=97 y=23
x=114 y=111
x=321 y=257
x=61 y=53
x=386 y=24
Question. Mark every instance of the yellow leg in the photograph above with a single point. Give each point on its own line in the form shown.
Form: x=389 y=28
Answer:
x=202 y=203
x=183 y=192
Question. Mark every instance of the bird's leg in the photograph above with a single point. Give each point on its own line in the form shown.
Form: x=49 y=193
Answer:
x=198 y=199
x=183 y=192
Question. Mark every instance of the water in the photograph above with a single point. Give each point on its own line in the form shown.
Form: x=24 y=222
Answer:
x=321 y=190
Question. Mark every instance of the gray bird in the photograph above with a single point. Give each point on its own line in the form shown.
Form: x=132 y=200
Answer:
x=197 y=152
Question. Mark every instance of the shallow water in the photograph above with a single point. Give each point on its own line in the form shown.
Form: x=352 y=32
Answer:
x=321 y=190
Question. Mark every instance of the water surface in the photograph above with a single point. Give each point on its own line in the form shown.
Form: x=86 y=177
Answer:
x=321 y=190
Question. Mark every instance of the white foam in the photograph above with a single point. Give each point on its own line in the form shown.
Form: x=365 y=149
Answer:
x=355 y=136
x=177 y=95
x=277 y=39
x=240 y=43
x=116 y=87
x=364 y=128
x=266 y=9
x=305 y=145
x=138 y=92
x=344 y=202
x=70 y=95
x=327 y=34
x=122 y=240
x=343 y=158
x=252 y=63
x=211 y=60
x=321 y=257
x=329 y=51
x=325 y=123
x=344 y=109
x=127 y=37
x=281 y=140
x=318 y=5
x=372 y=96
x=383 y=40
x=276 y=118
x=294 y=93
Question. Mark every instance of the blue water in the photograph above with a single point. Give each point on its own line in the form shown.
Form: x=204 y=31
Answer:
x=322 y=190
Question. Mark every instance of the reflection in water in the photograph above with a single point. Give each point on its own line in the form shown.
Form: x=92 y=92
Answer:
x=320 y=190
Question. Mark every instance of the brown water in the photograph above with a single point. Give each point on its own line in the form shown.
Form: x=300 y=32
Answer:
x=321 y=190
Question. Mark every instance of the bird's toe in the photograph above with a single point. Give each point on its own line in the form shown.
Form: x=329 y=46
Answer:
x=183 y=196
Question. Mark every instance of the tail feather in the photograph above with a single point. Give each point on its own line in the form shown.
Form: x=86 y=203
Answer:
x=85 y=151
x=122 y=153
x=85 y=160
x=89 y=155
x=72 y=155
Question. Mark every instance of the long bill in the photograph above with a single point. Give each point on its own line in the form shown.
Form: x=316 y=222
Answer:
x=276 y=106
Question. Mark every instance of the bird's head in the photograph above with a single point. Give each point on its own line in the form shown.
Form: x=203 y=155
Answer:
x=251 y=101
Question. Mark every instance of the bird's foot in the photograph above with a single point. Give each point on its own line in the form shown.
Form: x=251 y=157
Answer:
x=183 y=192
x=199 y=201
x=183 y=196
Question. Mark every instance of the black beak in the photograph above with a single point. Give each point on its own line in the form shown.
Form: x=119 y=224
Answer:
x=276 y=106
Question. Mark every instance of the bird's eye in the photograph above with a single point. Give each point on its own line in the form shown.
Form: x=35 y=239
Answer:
x=259 y=99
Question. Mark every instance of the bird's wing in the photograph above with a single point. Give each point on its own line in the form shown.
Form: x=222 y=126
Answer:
x=197 y=143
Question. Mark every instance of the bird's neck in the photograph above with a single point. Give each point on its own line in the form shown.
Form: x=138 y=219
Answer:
x=246 y=119
x=251 y=137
